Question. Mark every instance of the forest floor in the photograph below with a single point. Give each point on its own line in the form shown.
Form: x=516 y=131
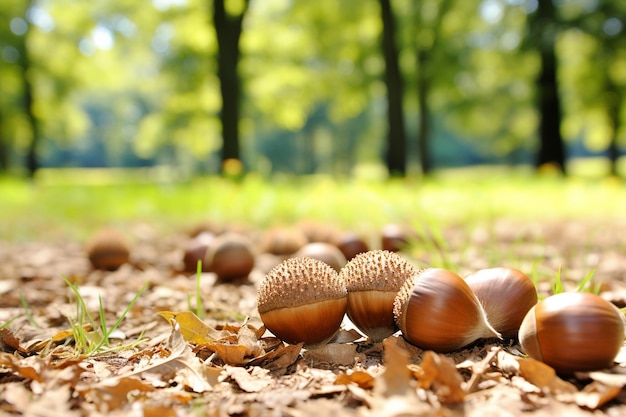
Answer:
x=160 y=370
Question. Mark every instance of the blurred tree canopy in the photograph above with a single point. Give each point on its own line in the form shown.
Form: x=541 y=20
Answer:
x=305 y=87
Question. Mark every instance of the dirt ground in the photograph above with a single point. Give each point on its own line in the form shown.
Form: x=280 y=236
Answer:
x=234 y=368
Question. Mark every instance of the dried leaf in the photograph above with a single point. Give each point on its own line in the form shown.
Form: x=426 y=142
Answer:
x=397 y=378
x=192 y=328
x=181 y=366
x=278 y=359
x=441 y=375
x=114 y=393
x=245 y=381
x=361 y=378
x=8 y=339
x=346 y=336
x=230 y=354
x=544 y=377
x=596 y=394
x=334 y=353
x=614 y=380
x=24 y=371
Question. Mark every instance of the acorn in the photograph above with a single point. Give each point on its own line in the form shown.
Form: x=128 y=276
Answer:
x=573 y=331
x=282 y=241
x=325 y=252
x=195 y=250
x=373 y=280
x=506 y=295
x=395 y=237
x=302 y=300
x=436 y=309
x=231 y=255
x=350 y=244
x=108 y=249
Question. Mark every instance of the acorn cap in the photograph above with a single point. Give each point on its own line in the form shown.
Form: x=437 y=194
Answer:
x=299 y=281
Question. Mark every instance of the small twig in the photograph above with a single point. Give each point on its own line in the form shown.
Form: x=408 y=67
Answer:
x=479 y=369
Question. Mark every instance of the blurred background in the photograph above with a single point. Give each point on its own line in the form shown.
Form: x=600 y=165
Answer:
x=346 y=88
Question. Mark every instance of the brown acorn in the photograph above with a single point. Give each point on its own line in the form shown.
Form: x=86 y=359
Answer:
x=436 y=309
x=108 y=249
x=195 y=250
x=324 y=252
x=373 y=279
x=350 y=244
x=506 y=295
x=302 y=300
x=573 y=331
x=230 y=255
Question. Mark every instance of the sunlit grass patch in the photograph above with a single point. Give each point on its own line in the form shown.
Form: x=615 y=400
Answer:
x=68 y=204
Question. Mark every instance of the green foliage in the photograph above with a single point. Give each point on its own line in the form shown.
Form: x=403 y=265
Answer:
x=139 y=78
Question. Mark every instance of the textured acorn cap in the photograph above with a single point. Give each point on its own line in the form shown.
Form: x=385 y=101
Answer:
x=302 y=300
x=378 y=270
x=373 y=279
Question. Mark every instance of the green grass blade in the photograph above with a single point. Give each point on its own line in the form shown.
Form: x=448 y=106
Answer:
x=28 y=312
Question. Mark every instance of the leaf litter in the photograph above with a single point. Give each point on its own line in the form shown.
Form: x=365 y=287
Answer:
x=225 y=363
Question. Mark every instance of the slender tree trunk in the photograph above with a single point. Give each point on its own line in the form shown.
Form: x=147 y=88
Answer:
x=544 y=28
x=4 y=148
x=228 y=30
x=614 y=104
x=423 y=133
x=32 y=155
x=396 y=135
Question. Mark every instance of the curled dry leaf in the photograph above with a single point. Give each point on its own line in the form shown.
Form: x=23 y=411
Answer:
x=544 y=377
x=249 y=381
x=394 y=393
x=334 y=353
x=192 y=328
x=596 y=394
x=441 y=376
x=362 y=379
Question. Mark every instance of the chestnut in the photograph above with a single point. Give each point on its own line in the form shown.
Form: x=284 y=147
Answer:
x=436 y=309
x=573 y=331
x=506 y=295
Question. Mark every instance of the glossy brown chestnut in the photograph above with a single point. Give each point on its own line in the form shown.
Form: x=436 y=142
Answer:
x=573 y=331
x=506 y=295
x=437 y=310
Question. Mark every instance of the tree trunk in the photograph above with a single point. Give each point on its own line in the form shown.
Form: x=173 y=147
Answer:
x=32 y=155
x=396 y=136
x=614 y=103
x=4 y=149
x=228 y=30
x=551 y=146
x=423 y=133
